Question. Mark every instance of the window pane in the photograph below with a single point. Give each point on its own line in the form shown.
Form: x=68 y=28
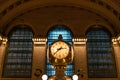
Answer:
x=101 y=62
x=53 y=36
x=18 y=60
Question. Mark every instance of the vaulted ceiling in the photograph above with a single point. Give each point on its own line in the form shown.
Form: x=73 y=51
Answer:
x=109 y=10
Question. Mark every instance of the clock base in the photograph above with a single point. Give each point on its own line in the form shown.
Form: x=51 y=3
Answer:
x=59 y=78
x=60 y=74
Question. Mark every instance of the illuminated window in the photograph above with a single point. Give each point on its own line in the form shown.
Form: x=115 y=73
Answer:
x=53 y=36
x=101 y=62
x=18 y=60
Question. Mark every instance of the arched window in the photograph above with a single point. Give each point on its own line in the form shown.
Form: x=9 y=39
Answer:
x=53 y=36
x=18 y=59
x=101 y=61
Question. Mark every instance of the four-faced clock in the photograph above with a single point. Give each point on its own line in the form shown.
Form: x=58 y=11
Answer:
x=60 y=49
x=60 y=54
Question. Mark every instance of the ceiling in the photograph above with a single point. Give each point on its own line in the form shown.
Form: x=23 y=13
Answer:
x=108 y=9
x=117 y=2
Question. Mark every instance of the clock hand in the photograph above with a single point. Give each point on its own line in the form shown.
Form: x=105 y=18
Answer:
x=59 y=50
x=64 y=48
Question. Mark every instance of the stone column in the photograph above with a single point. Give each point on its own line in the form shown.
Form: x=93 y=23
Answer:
x=116 y=46
x=39 y=58
x=80 y=57
x=3 y=45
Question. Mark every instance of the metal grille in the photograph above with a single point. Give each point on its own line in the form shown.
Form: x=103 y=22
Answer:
x=101 y=62
x=53 y=36
x=18 y=60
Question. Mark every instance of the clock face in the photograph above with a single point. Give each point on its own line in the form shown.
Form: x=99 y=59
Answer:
x=59 y=49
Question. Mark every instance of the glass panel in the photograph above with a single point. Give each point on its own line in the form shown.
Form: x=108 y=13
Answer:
x=53 y=36
x=101 y=62
x=18 y=61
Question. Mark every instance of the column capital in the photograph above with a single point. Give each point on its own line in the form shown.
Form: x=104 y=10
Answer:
x=116 y=41
x=39 y=40
x=3 y=40
x=79 y=41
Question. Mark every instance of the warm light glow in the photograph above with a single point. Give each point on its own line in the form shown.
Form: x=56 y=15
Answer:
x=44 y=77
x=75 y=77
x=79 y=40
x=115 y=41
x=39 y=40
x=118 y=38
x=64 y=60
x=4 y=41
x=0 y=37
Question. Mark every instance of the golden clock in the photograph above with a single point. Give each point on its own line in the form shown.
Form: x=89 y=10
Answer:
x=60 y=49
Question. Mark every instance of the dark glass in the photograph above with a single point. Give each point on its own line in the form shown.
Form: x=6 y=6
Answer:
x=18 y=60
x=101 y=61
